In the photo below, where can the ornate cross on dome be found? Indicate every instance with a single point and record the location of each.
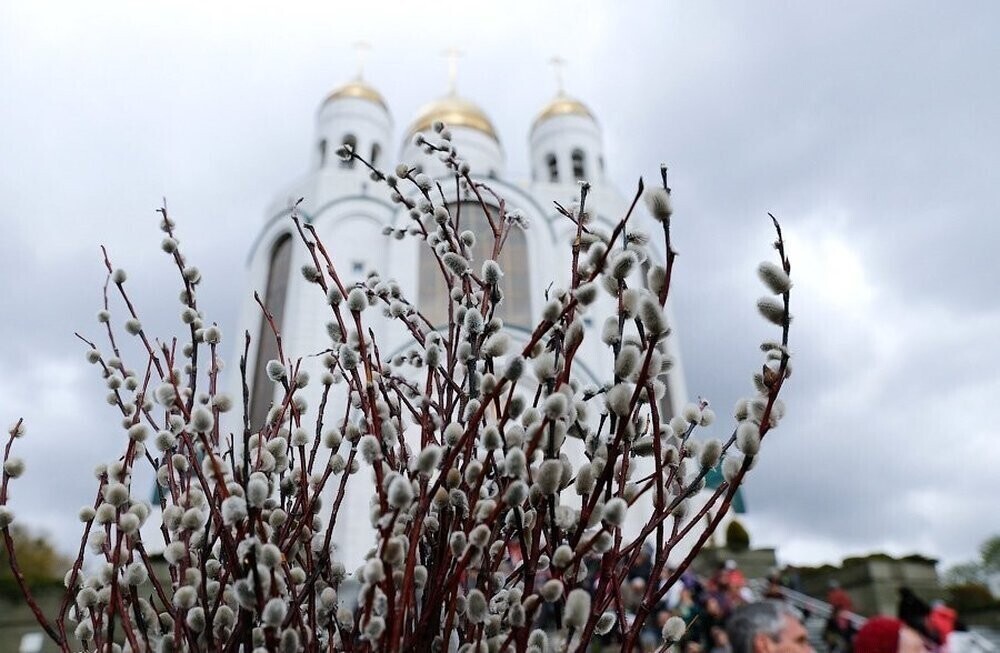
(452, 54)
(361, 49)
(558, 65)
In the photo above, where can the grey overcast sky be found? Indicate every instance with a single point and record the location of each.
(870, 128)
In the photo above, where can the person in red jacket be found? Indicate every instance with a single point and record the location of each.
(838, 598)
(888, 635)
(942, 620)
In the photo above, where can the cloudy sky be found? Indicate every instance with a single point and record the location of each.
(869, 128)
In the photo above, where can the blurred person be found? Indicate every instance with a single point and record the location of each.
(942, 620)
(735, 578)
(915, 613)
(774, 590)
(838, 635)
(838, 598)
(888, 635)
(767, 627)
(719, 641)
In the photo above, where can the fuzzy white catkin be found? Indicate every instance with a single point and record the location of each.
(185, 597)
(300, 437)
(710, 454)
(552, 590)
(577, 609)
(623, 264)
(455, 263)
(428, 459)
(138, 432)
(195, 619)
(585, 479)
(369, 448)
(659, 204)
(270, 556)
(614, 511)
(605, 623)
(275, 370)
(202, 419)
(515, 463)
(555, 406)
(479, 536)
(492, 272)
(274, 612)
(234, 509)
(6, 517)
(673, 629)
(115, 493)
(549, 475)
(627, 361)
(691, 413)
(128, 523)
(257, 490)
(651, 316)
(772, 310)
(14, 467)
(748, 438)
(774, 277)
(586, 293)
(619, 399)
(475, 606)
(400, 493)
(136, 574)
(86, 513)
(731, 466)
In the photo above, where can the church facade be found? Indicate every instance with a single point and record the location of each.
(352, 215)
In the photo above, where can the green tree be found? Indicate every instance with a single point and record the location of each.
(975, 572)
(38, 559)
(737, 537)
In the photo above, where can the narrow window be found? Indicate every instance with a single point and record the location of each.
(322, 153)
(376, 150)
(350, 142)
(267, 345)
(578, 168)
(553, 166)
(515, 307)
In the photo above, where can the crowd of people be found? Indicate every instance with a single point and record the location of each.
(723, 615)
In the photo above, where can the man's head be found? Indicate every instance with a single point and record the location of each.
(767, 627)
(887, 635)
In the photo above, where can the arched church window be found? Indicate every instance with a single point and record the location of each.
(322, 153)
(579, 171)
(553, 166)
(515, 308)
(351, 142)
(275, 295)
(376, 150)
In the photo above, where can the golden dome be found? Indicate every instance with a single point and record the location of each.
(562, 105)
(454, 112)
(357, 89)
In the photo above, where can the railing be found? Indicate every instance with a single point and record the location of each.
(805, 603)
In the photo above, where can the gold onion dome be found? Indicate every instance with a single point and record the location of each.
(357, 89)
(562, 105)
(453, 111)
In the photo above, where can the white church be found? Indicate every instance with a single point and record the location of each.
(350, 213)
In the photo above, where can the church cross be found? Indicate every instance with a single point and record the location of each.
(361, 49)
(452, 54)
(558, 65)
